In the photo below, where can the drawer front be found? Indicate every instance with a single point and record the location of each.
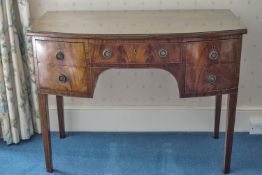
(63, 78)
(213, 52)
(201, 80)
(60, 53)
(154, 53)
(135, 53)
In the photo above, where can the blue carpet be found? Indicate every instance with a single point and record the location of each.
(133, 154)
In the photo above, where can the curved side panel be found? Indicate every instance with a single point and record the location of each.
(178, 72)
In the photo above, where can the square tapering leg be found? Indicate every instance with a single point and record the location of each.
(231, 114)
(217, 116)
(60, 111)
(44, 116)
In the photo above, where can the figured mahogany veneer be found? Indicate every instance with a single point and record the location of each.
(76, 79)
(197, 53)
(197, 79)
(73, 52)
(84, 58)
(201, 49)
(135, 52)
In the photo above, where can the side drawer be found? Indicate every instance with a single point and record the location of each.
(201, 80)
(62, 53)
(63, 78)
(213, 52)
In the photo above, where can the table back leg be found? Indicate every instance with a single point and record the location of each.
(217, 115)
(60, 111)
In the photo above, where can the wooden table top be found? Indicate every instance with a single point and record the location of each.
(137, 22)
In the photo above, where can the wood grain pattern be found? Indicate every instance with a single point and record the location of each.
(135, 52)
(74, 52)
(197, 78)
(146, 56)
(197, 53)
(76, 78)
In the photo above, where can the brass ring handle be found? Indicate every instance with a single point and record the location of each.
(134, 51)
(163, 53)
(211, 78)
(107, 53)
(60, 55)
(213, 55)
(62, 78)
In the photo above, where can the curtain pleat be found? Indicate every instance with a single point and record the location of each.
(19, 113)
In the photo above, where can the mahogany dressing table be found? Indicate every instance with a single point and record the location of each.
(200, 48)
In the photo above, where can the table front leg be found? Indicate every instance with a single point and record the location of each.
(44, 116)
(217, 115)
(231, 114)
(60, 112)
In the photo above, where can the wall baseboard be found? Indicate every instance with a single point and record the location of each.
(147, 118)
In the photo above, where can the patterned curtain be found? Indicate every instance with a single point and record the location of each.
(19, 112)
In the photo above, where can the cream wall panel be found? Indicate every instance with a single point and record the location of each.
(147, 119)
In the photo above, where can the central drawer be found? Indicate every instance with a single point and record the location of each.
(134, 52)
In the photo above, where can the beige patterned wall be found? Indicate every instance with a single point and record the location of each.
(157, 87)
